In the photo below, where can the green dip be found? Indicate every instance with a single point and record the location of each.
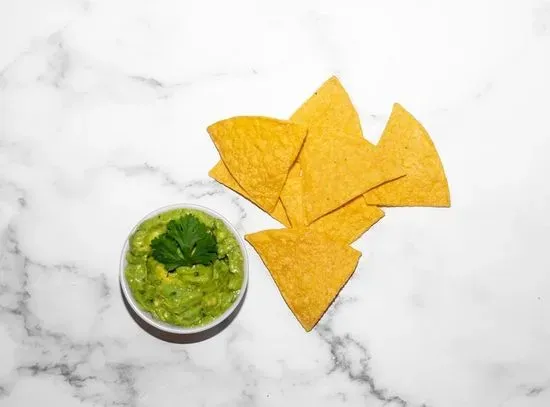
(188, 296)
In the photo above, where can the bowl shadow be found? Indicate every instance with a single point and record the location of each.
(184, 338)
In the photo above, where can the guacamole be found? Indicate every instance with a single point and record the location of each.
(186, 296)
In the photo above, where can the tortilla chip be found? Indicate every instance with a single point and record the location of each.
(221, 174)
(279, 214)
(309, 269)
(291, 197)
(349, 222)
(331, 107)
(345, 224)
(336, 169)
(258, 152)
(425, 184)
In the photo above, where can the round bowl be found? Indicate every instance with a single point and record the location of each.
(176, 329)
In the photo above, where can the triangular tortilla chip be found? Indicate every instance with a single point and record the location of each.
(425, 184)
(291, 197)
(309, 269)
(338, 168)
(345, 224)
(221, 174)
(258, 152)
(331, 107)
(349, 222)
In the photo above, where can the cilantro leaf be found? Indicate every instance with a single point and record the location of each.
(167, 252)
(186, 242)
(205, 250)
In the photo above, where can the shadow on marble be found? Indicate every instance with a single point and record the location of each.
(184, 338)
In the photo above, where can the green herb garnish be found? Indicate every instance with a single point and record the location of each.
(186, 242)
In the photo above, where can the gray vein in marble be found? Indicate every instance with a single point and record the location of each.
(486, 89)
(169, 88)
(235, 200)
(206, 187)
(339, 347)
(535, 391)
(212, 187)
(21, 309)
(126, 378)
(101, 280)
(150, 81)
(61, 61)
(248, 399)
(156, 83)
(342, 396)
(118, 377)
(58, 63)
(249, 392)
(72, 354)
(57, 369)
(20, 267)
(20, 192)
(164, 90)
(7, 67)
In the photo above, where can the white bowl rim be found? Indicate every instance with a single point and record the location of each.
(176, 329)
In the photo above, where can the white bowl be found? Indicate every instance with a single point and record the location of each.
(176, 329)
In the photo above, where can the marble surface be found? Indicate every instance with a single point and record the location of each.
(103, 109)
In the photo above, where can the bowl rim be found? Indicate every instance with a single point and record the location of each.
(164, 326)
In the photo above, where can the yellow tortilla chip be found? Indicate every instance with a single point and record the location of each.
(279, 214)
(331, 107)
(258, 152)
(221, 174)
(291, 197)
(345, 224)
(309, 268)
(425, 184)
(349, 222)
(336, 169)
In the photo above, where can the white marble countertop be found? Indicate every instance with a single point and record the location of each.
(103, 109)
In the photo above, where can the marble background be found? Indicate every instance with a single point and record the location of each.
(103, 109)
